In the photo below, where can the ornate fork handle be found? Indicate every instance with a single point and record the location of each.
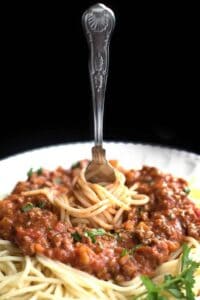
(98, 22)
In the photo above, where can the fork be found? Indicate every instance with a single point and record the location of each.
(98, 23)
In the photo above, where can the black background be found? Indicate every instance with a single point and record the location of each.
(153, 86)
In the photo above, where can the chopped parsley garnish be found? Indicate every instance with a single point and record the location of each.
(27, 207)
(130, 251)
(76, 236)
(93, 233)
(179, 286)
(135, 248)
(124, 252)
(75, 165)
(187, 190)
(39, 171)
(30, 172)
(41, 204)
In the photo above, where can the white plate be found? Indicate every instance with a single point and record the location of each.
(179, 163)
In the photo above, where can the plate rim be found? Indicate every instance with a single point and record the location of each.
(185, 153)
(181, 164)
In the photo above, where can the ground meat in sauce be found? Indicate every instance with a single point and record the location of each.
(148, 236)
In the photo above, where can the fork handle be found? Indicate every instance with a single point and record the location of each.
(98, 23)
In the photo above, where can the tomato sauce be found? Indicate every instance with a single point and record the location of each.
(147, 237)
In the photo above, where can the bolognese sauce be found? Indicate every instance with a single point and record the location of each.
(147, 237)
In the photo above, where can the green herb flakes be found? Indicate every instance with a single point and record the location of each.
(27, 207)
(75, 165)
(30, 172)
(187, 190)
(76, 236)
(179, 286)
(124, 252)
(39, 171)
(130, 251)
(41, 204)
(93, 233)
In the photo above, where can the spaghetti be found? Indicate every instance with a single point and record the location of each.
(92, 204)
(70, 239)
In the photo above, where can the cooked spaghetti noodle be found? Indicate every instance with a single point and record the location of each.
(104, 237)
(93, 204)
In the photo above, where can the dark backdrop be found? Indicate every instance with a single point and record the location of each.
(153, 87)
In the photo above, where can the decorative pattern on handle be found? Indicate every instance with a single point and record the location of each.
(98, 22)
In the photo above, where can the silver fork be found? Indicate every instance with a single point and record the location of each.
(98, 23)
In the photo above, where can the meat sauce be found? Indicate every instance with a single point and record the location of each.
(147, 237)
